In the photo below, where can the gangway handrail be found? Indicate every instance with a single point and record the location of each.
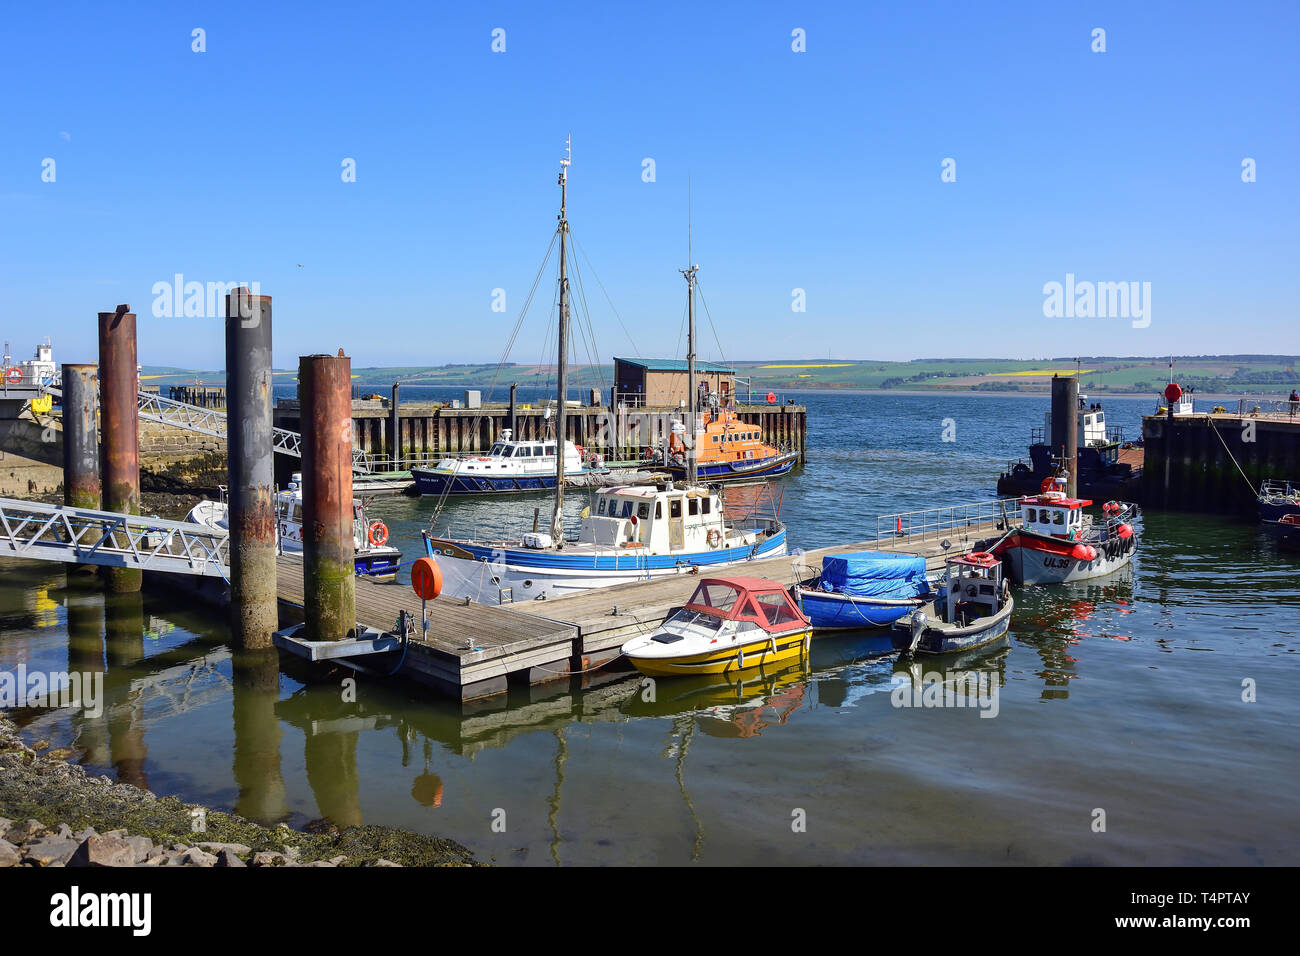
(209, 421)
(949, 518)
(33, 529)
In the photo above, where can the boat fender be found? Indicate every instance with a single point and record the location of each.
(377, 533)
(1125, 531)
(1006, 590)
(715, 537)
(1079, 552)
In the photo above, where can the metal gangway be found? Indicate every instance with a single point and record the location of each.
(30, 529)
(952, 520)
(208, 421)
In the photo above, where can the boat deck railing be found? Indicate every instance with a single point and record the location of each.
(949, 519)
(1277, 488)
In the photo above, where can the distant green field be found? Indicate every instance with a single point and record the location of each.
(1251, 374)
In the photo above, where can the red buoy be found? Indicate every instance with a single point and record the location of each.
(1124, 531)
(1080, 552)
(1173, 392)
(771, 398)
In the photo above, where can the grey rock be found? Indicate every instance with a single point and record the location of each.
(157, 853)
(291, 853)
(64, 831)
(382, 862)
(196, 857)
(50, 851)
(237, 848)
(85, 834)
(337, 860)
(25, 832)
(4, 826)
(103, 851)
(120, 834)
(141, 846)
(269, 858)
(229, 858)
(321, 863)
(9, 855)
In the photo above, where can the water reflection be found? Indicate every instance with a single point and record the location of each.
(124, 640)
(255, 691)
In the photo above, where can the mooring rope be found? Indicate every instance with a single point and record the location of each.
(1230, 455)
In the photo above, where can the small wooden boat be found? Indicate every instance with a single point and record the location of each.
(730, 624)
(973, 608)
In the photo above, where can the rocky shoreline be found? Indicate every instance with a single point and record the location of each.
(52, 813)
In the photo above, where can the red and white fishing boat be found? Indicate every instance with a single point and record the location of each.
(1057, 542)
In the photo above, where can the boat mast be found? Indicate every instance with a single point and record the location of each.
(557, 516)
(692, 473)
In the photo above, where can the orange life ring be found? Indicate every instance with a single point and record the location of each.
(980, 556)
(377, 533)
(714, 537)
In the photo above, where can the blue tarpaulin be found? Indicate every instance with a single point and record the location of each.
(874, 574)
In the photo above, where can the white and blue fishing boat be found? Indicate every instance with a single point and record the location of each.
(510, 467)
(626, 534)
(863, 589)
(972, 609)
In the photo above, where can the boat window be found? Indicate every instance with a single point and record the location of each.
(524, 452)
(659, 511)
(600, 507)
(627, 509)
(550, 450)
(694, 506)
(720, 596)
(1031, 515)
(1058, 518)
(675, 508)
(643, 510)
(715, 439)
(775, 608)
(706, 504)
(508, 452)
(497, 449)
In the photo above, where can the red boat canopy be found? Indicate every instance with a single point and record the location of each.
(764, 602)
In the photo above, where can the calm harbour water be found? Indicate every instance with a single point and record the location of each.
(1124, 695)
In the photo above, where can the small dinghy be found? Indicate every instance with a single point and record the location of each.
(973, 608)
(729, 625)
(863, 589)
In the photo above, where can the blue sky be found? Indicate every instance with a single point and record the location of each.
(817, 170)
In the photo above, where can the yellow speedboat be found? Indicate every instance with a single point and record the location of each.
(730, 624)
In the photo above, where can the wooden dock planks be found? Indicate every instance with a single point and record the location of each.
(471, 648)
